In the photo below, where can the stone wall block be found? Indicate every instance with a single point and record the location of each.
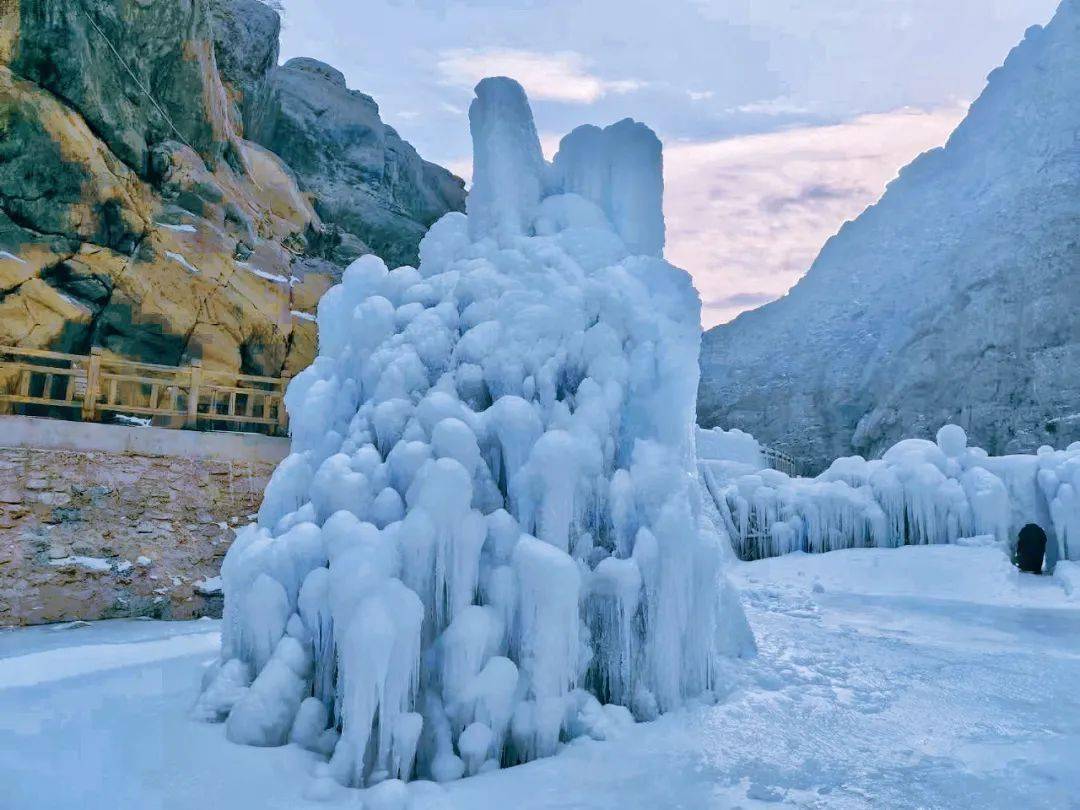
(94, 535)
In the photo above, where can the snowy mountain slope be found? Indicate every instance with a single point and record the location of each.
(952, 299)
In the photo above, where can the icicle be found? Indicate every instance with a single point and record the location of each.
(919, 492)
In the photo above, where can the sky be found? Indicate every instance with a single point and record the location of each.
(781, 119)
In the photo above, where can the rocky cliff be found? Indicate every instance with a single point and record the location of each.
(952, 299)
(370, 187)
(137, 212)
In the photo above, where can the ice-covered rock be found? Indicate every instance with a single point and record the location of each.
(490, 523)
(508, 165)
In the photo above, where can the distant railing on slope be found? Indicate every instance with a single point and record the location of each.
(750, 538)
(96, 387)
(781, 461)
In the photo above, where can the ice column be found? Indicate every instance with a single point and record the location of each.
(621, 169)
(508, 164)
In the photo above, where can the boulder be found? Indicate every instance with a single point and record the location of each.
(57, 178)
(246, 34)
(138, 72)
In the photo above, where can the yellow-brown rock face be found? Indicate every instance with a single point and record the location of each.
(188, 254)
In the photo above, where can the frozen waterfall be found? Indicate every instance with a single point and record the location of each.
(489, 537)
(919, 492)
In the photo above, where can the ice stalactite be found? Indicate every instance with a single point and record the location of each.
(490, 524)
(918, 492)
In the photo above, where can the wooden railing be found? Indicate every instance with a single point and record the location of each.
(95, 387)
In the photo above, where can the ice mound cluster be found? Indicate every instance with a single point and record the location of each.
(489, 536)
(919, 492)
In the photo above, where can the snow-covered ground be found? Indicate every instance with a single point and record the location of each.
(914, 677)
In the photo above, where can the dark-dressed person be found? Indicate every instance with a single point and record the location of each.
(1030, 549)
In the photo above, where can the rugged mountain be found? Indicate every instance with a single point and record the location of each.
(954, 298)
(369, 184)
(246, 45)
(136, 214)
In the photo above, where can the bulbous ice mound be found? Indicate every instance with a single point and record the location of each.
(490, 524)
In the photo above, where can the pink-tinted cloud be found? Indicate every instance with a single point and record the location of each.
(746, 216)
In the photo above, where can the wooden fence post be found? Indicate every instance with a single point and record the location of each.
(193, 395)
(93, 378)
(282, 415)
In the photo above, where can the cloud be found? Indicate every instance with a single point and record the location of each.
(558, 76)
(747, 215)
(741, 300)
(781, 105)
(812, 195)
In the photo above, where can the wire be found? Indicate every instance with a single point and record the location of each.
(138, 83)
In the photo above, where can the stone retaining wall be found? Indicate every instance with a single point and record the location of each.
(101, 521)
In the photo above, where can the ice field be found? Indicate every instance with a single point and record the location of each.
(925, 676)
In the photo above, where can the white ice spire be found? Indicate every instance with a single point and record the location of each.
(508, 164)
(621, 169)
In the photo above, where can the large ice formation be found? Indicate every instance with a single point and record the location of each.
(918, 492)
(489, 536)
